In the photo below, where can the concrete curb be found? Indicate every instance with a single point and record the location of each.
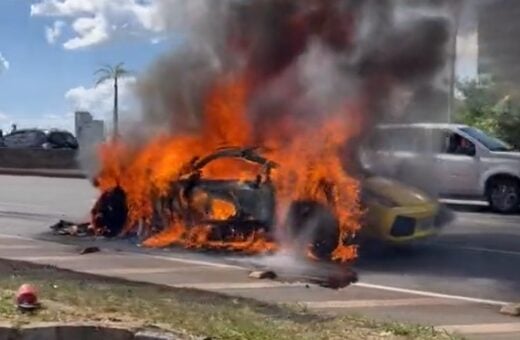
(85, 331)
(59, 173)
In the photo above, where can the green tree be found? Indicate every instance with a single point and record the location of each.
(113, 73)
(489, 108)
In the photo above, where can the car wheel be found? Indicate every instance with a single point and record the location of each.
(110, 212)
(504, 195)
(312, 224)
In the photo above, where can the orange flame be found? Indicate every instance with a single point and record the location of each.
(169, 236)
(310, 168)
(222, 210)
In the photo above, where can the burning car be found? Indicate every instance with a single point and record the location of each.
(241, 213)
(230, 213)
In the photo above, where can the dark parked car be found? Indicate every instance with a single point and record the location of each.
(36, 138)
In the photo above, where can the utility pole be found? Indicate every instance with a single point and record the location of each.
(457, 7)
(116, 109)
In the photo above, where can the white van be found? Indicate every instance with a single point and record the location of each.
(449, 160)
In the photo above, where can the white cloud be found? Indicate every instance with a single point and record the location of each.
(4, 64)
(63, 7)
(98, 100)
(52, 33)
(91, 31)
(97, 21)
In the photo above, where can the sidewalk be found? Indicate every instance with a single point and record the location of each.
(474, 320)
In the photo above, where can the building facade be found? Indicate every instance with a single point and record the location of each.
(89, 131)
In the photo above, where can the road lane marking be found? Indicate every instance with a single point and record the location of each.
(478, 249)
(30, 207)
(489, 328)
(237, 285)
(196, 262)
(480, 218)
(127, 253)
(24, 238)
(57, 258)
(21, 205)
(18, 237)
(431, 294)
(138, 271)
(464, 202)
(482, 223)
(19, 247)
(380, 303)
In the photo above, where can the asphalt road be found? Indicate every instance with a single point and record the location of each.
(477, 255)
(475, 258)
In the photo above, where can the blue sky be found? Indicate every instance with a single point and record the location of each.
(50, 48)
(40, 73)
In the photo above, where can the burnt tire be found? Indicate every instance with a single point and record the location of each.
(111, 212)
(311, 223)
(504, 195)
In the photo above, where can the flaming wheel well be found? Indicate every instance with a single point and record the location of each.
(110, 213)
(313, 224)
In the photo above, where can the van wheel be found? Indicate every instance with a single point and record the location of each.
(504, 195)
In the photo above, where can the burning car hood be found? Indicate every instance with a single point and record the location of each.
(399, 193)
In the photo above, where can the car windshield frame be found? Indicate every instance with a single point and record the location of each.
(490, 142)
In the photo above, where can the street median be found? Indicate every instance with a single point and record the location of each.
(40, 162)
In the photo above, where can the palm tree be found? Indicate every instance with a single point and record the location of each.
(109, 72)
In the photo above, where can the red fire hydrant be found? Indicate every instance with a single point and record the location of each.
(27, 297)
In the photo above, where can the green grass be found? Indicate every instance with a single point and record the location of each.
(69, 296)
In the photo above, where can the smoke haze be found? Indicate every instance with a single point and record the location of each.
(302, 58)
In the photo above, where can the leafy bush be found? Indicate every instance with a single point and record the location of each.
(484, 105)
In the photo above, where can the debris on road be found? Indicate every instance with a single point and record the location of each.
(511, 309)
(73, 229)
(261, 275)
(27, 298)
(334, 280)
(89, 250)
(324, 274)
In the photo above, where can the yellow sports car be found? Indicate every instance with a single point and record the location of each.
(398, 214)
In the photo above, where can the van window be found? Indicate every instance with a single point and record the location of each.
(458, 145)
(409, 139)
(492, 143)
